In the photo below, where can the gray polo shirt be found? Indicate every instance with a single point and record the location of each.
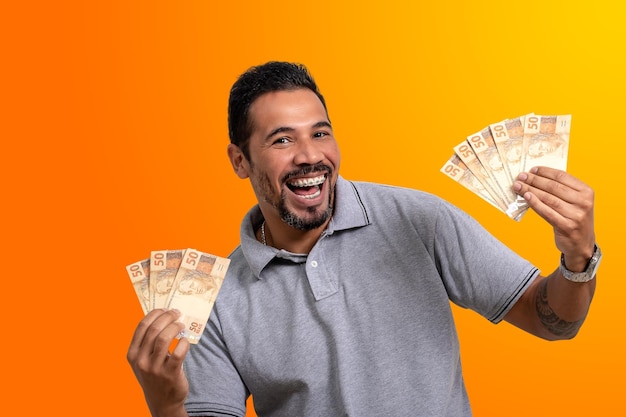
(362, 325)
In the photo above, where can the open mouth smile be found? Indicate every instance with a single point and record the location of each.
(307, 188)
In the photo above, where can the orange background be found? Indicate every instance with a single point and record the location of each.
(113, 129)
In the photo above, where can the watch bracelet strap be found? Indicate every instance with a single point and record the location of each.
(567, 274)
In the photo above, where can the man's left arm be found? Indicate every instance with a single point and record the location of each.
(554, 307)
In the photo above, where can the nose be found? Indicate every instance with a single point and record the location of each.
(308, 152)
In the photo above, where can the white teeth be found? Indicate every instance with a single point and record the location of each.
(308, 182)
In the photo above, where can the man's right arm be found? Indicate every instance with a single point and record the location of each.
(158, 369)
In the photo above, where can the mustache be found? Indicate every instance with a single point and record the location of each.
(308, 169)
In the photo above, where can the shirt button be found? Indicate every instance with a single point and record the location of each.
(314, 264)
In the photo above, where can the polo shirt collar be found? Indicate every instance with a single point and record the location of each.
(350, 212)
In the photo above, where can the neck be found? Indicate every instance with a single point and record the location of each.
(282, 236)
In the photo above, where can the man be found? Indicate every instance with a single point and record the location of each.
(337, 301)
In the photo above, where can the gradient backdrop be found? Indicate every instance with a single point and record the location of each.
(114, 135)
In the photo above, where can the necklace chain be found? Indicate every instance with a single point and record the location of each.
(263, 234)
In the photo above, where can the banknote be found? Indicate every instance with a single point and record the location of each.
(458, 171)
(493, 157)
(486, 151)
(508, 136)
(195, 288)
(185, 279)
(139, 273)
(546, 141)
(163, 268)
(469, 158)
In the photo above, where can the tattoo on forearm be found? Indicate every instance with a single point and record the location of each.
(550, 319)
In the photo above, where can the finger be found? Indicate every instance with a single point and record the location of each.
(554, 188)
(549, 204)
(164, 339)
(177, 355)
(148, 330)
(554, 182)
(159, 324)
(142, 328)
(548, 210)
(560, 176)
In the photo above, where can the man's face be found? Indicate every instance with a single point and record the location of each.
(165, 280)
(193, 286)
(294, 157)
(543, 147)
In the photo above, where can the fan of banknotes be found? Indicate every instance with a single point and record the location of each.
(488, 161)
(185, 279)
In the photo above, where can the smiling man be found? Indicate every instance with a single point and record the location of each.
(337, 300)
(292, 165)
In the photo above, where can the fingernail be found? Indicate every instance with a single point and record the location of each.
(517, 186)
(522, 176)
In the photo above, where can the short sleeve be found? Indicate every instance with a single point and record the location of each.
(479, 271)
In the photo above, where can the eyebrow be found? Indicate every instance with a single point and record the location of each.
(279, 130)
(323, 123)
(283, 129)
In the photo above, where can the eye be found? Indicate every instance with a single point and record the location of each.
(320, 134)
(281, 141)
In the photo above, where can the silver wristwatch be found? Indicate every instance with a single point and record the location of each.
(588, 273)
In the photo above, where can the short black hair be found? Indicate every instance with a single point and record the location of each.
(256, 81)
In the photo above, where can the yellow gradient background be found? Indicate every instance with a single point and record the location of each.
(113, 129)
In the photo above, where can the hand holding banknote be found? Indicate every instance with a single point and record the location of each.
(157, 366)
(489, 161)
(566, 203)
(176, 290)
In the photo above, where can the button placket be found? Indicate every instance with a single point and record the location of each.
(320, 279)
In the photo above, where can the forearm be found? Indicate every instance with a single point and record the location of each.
(553, 308)
(561, 306)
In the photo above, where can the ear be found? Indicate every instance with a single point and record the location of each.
(238, 161)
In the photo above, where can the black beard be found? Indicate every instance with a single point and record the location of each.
(306, 224)
(318, 219)
(288, 217)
